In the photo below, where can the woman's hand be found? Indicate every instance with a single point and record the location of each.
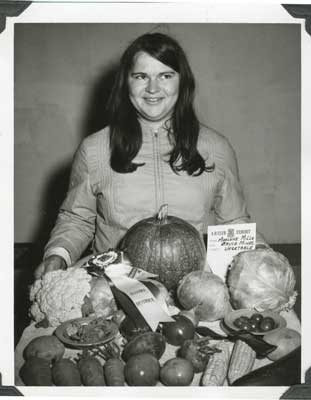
(51, 263)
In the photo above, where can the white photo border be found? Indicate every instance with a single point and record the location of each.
(102, 12)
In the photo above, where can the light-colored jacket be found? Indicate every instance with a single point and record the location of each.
(102, 204)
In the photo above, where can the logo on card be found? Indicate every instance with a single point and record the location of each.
(230, 233)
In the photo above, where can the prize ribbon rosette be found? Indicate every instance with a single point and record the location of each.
(134, 289)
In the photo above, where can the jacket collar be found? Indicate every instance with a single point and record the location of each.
(149, 128)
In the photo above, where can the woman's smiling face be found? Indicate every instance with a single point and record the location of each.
(153, 88)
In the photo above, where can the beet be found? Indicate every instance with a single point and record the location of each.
(150, 342)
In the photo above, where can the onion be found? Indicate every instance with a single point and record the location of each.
(206, 294)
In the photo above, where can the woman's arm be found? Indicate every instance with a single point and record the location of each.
(230, 206)
(75, 225)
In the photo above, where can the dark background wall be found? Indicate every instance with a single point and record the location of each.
(248, 88)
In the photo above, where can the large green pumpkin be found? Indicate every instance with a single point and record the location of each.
(165, 245)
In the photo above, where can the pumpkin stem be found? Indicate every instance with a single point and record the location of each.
(162, 214)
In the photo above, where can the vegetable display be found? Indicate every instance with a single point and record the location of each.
(261, 279)
(114, 347)
(206, 294)
(165, 245)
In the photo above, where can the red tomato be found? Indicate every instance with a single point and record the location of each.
(253, 326)
(142, 370)
(238, 322)
(257, 317)
(177, 372)
(267, 324)
(177, 332)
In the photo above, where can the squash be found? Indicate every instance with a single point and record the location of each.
(165, 245)
(286, 341)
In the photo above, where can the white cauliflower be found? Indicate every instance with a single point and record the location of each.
(59, 295)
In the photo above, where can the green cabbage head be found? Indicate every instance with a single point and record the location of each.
(261, 279)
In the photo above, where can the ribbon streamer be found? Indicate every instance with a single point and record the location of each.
(139, 300)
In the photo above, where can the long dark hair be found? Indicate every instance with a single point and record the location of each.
(125, 130)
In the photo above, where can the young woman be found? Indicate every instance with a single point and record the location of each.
(154, 151)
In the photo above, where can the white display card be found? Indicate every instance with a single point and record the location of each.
(225, 241)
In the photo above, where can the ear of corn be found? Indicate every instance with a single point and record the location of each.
(216, 369)
(241, 361)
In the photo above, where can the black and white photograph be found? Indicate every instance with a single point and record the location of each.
(157, 185)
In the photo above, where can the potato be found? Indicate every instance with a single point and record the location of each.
(65, 372)
(91, 371)
(47, 347)
(36, 372)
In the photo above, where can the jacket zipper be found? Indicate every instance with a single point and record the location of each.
(159, 192)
